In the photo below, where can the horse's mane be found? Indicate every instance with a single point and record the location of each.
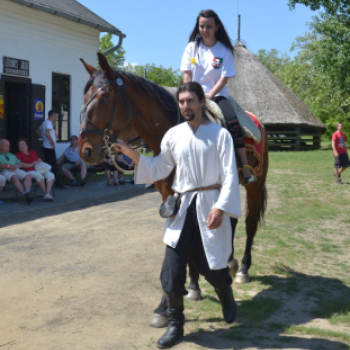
(163, 97)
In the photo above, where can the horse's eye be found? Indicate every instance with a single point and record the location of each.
(104, 99)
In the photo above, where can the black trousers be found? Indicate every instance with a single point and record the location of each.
(232, 122)
(173, 275)
(50, 158)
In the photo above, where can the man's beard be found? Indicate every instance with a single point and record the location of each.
(189, 117)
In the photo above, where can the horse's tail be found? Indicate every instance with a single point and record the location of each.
(263, 206)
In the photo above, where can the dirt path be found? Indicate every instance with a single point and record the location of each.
(86, 276)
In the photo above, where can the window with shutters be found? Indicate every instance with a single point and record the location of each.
(61, 105)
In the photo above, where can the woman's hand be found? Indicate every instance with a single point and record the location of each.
(209, 96)
(215, 218)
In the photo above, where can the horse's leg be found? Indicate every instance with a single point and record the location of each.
(256, 198)
(232, 262)
(194, 292)
(161, 314)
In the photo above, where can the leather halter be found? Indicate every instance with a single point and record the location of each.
(119, 85)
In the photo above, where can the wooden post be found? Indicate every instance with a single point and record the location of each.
(297, 146)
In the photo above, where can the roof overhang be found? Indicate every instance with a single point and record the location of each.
(71, 17)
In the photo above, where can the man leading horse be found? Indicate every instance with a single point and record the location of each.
(207, 181)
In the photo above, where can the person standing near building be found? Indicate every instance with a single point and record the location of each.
(47, 132)
(207, 181)
(341, 158)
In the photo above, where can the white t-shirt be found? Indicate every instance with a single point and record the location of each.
(47, 125)
(208, 64)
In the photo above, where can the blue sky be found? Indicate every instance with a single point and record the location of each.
(158, 30)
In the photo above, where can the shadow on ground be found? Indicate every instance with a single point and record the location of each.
(297, 301)
(28, 212)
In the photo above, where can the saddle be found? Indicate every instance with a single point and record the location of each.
(252, 130)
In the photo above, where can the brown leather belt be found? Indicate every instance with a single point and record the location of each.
(206, 188)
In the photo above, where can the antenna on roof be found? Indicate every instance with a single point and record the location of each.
(239, 28)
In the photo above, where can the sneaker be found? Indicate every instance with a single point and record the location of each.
(75, 183)
(61, 187)
(82, 182)
(48, 198)
(132, 181)
(339, 181)
(29, 197)
(121, 182)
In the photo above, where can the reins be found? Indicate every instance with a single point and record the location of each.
(107, 133)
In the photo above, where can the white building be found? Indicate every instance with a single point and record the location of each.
(42, 42)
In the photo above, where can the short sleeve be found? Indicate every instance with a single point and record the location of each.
(19, 156)
(186, 59)
(228, 65)
(34, 155)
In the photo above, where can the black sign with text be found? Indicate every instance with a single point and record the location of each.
(15, 66)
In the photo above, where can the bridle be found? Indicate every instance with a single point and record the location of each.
(107, 133)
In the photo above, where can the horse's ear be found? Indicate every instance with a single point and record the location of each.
(90, 69)
(108, 70)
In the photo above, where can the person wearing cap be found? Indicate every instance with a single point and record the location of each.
(72, 160)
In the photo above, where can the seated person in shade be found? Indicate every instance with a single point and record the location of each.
(29, 159)
(124, 162)
(72, 160)
(10, 169)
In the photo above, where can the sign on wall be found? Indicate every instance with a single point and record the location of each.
(16, 66)
(38, 109)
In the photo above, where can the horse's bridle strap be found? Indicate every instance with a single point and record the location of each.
(119, 85)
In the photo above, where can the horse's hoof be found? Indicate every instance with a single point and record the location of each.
(160, 320)
(233, 267)
(242, 278)
(193, 295)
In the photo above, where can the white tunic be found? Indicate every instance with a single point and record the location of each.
(208, 64)
(203, 158)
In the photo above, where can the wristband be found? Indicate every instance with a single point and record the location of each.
(8, 166)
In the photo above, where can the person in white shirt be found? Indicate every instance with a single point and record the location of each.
(47, 132)
(208, 60)
(207, 181)
(72, 160)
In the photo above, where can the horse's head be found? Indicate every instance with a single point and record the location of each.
(101, 106)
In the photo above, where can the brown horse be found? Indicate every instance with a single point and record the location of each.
(124, 106)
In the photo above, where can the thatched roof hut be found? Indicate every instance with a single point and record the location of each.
(289, 122)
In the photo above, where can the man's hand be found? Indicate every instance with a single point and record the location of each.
(215, 218)
(336, 155)
(209, 96)
(13, 167)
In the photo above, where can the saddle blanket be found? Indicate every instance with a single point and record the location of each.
(256, 147)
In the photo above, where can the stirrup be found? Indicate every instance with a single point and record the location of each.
(253, 174)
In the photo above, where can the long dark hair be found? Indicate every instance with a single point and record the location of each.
(221, 33)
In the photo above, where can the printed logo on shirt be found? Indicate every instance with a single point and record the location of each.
(341, 142)
(217, 62)
(193, 60)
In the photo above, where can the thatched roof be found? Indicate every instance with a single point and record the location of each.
(258, 91)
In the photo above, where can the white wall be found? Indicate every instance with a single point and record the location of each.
(50, 44)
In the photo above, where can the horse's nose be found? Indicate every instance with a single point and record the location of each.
(87, 152)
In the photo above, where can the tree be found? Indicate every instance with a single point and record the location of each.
(160, 75)
(115, 58)
(332, 7)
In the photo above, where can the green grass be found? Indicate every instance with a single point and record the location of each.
(301, 254)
